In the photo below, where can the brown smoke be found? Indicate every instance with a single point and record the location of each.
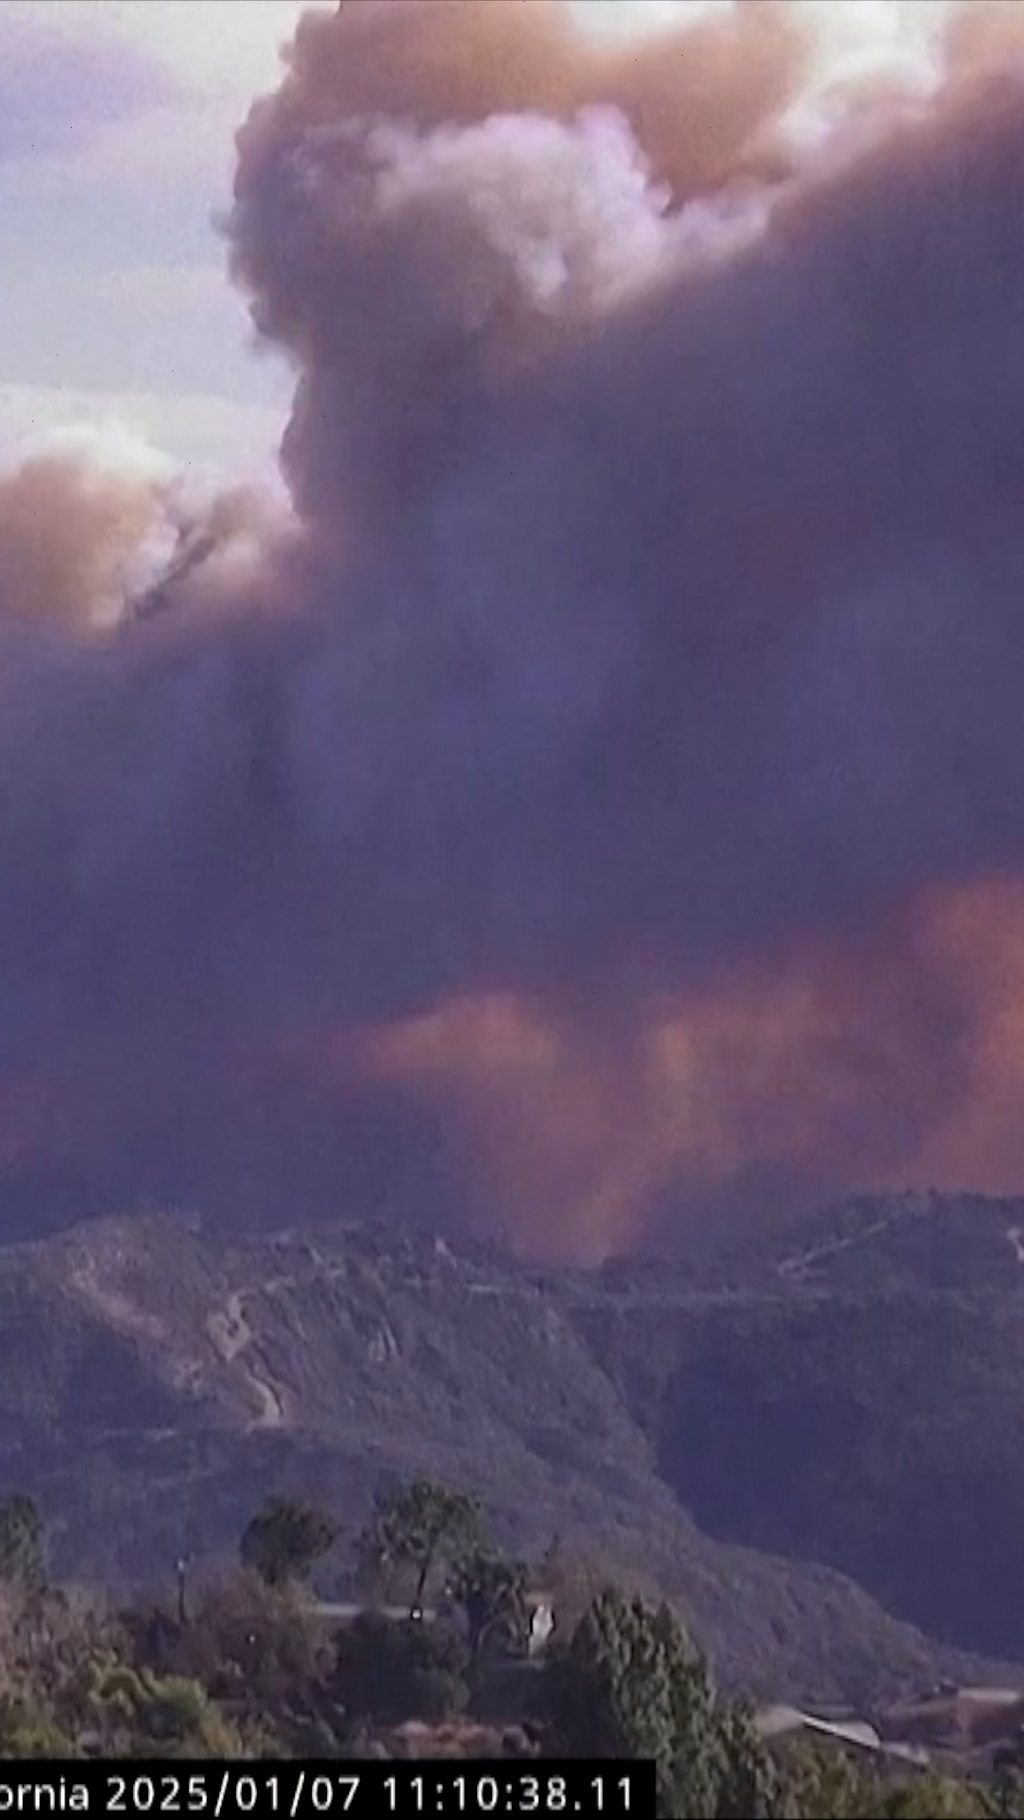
(69, 534)
(601, 802)
(697, 97)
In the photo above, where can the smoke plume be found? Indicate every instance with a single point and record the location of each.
(601, 800)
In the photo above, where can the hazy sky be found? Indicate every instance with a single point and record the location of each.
(116, 152)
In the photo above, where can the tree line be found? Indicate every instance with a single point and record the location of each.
(250, 1664)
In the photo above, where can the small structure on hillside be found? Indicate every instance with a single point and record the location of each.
(851, 1734)
(541, 1622)
(540, 1616)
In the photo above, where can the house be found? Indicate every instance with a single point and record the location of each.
(539, 1611)
(541, 1622)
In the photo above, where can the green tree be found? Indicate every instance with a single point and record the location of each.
(247, 1640)
(22, 1542)
(821, 1782)
(264, 1652)
(389, 1671)
(422, 1526)
(491, 1593)
(749, 1780)
(284, 1539)
(819, 1779)
(137, 1713)
(25, 1733)
(631, 1684)
(932, 1798)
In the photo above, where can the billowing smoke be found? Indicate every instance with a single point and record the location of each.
(76, 516)
(595, 804)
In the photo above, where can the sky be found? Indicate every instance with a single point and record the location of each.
(116, 159)
(117, 122)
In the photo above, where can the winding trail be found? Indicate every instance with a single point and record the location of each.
(227, 1328)
(232, 1337)
(235, 1343)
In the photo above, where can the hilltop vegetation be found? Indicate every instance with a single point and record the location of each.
(868, 1380)
(251, 1666)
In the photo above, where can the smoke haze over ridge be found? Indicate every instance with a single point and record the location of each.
(604, 792)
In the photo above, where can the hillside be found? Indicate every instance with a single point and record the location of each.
(866, 1376)
(156, 1382)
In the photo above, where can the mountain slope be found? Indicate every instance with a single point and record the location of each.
(156, 1383)
(857, 1400)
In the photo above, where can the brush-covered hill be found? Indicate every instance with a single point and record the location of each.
(157, 1382)
(852, 1393)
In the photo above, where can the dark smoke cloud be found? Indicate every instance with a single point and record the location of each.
(576, 796)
